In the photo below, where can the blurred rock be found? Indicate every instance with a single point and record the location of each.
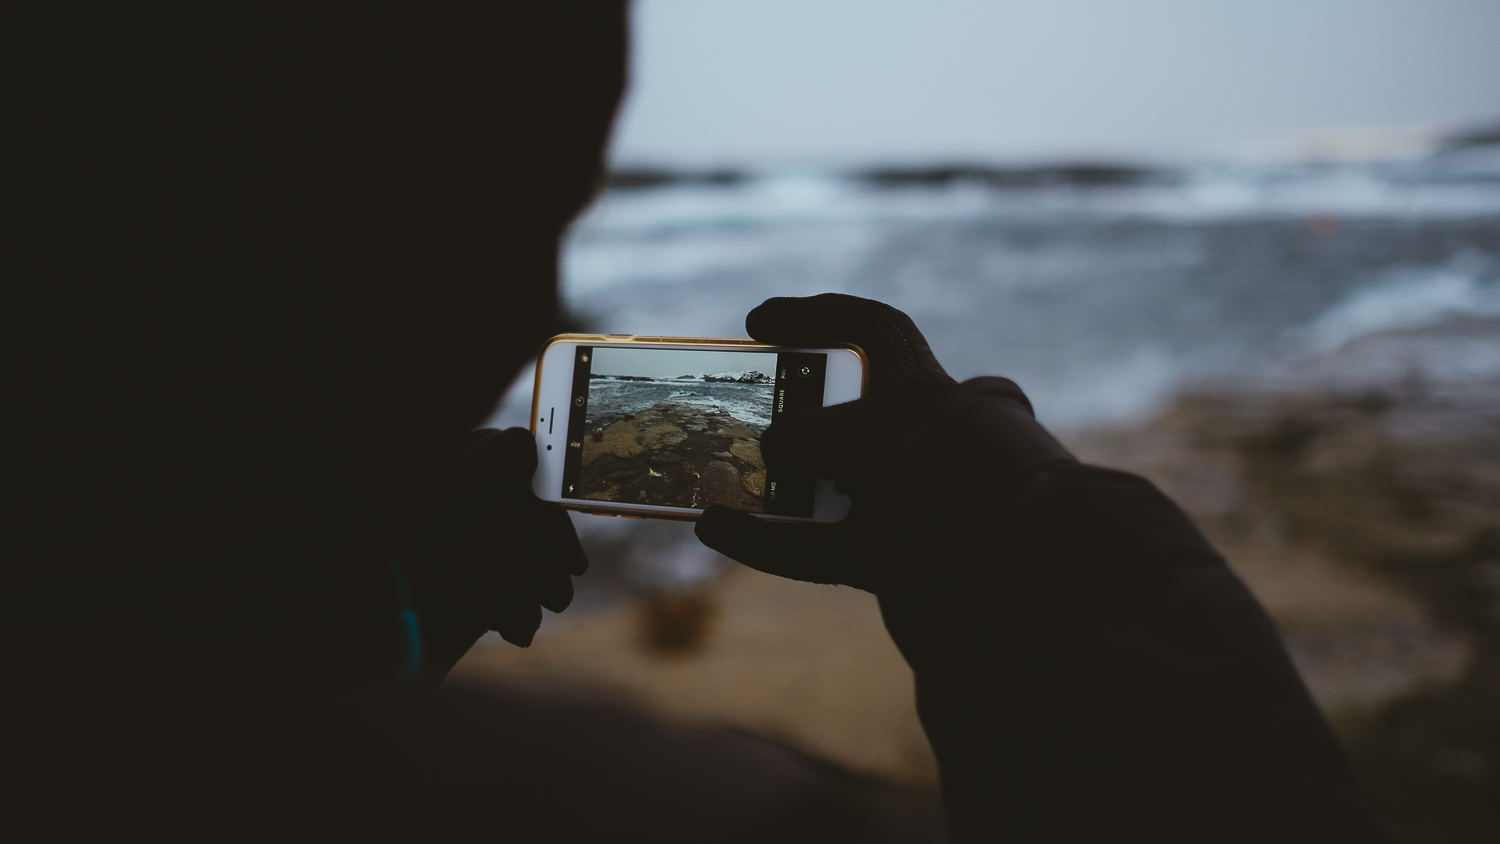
(675, 623)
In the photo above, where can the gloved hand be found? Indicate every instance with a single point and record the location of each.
(919, 451)
(493, 554)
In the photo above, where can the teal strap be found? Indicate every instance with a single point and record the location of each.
(410, 664)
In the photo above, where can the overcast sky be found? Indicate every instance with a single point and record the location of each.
(743, 81)
(671, 363)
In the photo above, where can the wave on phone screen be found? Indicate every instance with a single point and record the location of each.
(683, 441)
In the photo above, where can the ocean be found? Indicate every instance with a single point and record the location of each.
(1105, 292)
(610, 399)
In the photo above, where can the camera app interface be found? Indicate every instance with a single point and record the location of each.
(681, 428)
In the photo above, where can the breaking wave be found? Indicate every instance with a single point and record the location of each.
(1468, 285)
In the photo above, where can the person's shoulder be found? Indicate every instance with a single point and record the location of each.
(264, 754)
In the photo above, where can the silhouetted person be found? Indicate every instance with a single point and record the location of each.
(272, 268)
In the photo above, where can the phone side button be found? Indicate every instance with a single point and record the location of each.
(627, 516)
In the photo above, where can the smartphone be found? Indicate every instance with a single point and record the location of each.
(664, 427)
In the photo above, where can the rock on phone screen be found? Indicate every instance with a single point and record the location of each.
(682, 427)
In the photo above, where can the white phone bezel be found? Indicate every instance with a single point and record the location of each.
(844, 380)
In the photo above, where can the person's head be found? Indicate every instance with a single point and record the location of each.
(276, 254)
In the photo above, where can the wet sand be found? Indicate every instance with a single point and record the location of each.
(809, 666)
(1368, 523)
(1332, 508)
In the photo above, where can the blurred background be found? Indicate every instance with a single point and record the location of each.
(1249, 250)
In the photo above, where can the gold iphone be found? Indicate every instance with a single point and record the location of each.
(664, 427)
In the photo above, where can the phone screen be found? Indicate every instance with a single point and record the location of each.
(682, 428)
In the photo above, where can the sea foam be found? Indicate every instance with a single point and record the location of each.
(1468, 285)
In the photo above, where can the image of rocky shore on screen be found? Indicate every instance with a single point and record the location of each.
(677, 428)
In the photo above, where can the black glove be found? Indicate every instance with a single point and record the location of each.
(919, 451)
(493, 554)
